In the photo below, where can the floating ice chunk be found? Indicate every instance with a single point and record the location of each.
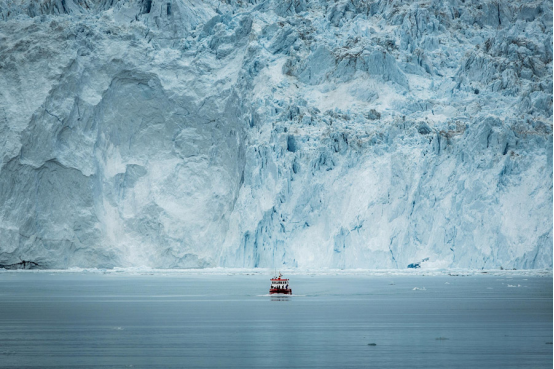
(419, 289)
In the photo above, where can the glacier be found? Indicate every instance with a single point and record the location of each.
(277, 133)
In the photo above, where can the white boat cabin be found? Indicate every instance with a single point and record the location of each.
(279, 284)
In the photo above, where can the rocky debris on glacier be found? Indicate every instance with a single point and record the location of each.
(23, 264)
(341, 134)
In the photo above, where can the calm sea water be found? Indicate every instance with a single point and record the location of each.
(80, 320)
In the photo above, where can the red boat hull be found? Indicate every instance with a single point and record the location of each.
(280, 291)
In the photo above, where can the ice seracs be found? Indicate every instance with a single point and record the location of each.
(304, 134)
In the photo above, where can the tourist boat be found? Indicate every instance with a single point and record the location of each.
(280, 285)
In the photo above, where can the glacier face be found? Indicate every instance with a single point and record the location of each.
(341, 134)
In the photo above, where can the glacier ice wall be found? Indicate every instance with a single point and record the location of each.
(341, 134)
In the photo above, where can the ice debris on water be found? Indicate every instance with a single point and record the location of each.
(419, 289)
(324, 134)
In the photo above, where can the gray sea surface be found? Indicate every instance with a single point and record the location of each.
(123, 320)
